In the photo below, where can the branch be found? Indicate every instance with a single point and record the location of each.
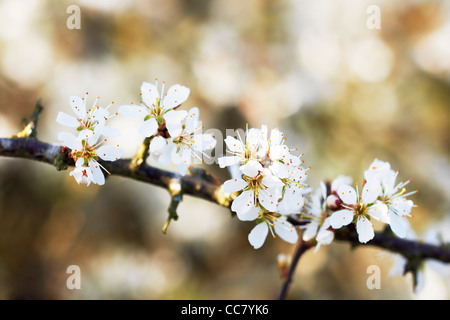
(302, 247)
(198, 184)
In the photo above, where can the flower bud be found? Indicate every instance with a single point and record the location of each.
(283, 263)
(333, 202)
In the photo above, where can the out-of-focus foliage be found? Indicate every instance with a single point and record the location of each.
(344, 94)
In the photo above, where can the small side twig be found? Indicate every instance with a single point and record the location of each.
(141, 154)
(30, 127)
(176, 194)
(302, 247)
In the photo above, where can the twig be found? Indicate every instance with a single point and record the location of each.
(302, 247)
(30, 127)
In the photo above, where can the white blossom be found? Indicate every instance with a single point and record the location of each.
(393, 195)
(86, 150)
(359, 209)
(186, 142)
(277, 224)
(315, 213)
(87, 119)
(157, 108)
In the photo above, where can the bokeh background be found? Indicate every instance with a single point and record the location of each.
(343, 93)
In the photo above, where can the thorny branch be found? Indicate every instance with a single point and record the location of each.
(201, 185)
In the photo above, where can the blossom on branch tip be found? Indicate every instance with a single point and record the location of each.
(271, 182)
(86, 150)
(186, 143)
(359, 209)
(263, 189)
(87, 119)
(157, 108)
(242, 150)
(276, 223)
(393, 195)
(317, 218)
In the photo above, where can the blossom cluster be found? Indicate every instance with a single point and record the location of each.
(270, 182)
(338, 205)
(88, 146)
(175, 135)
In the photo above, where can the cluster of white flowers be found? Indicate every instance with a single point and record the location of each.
(89, 144)
(176, 135)
(380, 199)
(271, 183)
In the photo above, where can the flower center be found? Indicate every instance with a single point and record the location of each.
(88, 153)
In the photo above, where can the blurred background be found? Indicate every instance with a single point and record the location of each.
(342, 92)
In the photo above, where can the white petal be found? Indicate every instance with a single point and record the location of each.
(253, 138)
(77, 173)
(228, 161)
(278, 152)
(365, 229)
(192, 120)
(243, 203)
(341, 179)
(310, 230)
(133, 111)
(379, 167)
(174, 121)
(79, 163)
(97, 174)
(341, 218)
(398, 266)
(182, 168)
(325, 236)
(234, 185)
(279, 170)
(264, 143)
(250, 215)
(269, 199)
(158, 145)
(276, 136)
(70, 141)
(258, 235)
(110, 153)
(93, 136)
(286, 231)
(176, 95)
(175, 115)
(78, 106)
(204, 142)
(67, 120)
(347, 194)
(399, 225)
(169, 151)
(251, 168)
(272, 182)
(370, 192)
(149, 93)
(234, 145)
(388, 181)
(292, 201)
(402, 207)
(148, 128)
(379, 212)
(184, 156)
